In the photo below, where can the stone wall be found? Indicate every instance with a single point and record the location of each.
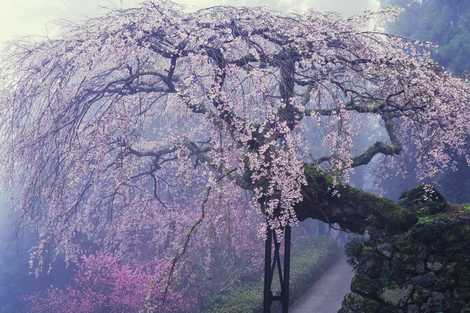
(423, 269)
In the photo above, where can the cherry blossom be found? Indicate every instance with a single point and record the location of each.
(137, 128)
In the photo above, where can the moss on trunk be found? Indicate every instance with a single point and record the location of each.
(354, 210)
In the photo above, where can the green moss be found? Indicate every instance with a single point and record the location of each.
(425, 200)
(383, 213)
(466, 208)
(429, 219)
(318, 180)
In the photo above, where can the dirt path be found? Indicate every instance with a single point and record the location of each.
(327, 293)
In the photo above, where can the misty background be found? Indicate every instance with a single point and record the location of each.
(37, 17)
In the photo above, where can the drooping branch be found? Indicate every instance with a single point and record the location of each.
(394, 148)
(379, 147)
(244, 78)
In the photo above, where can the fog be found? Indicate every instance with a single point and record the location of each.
(38, 18)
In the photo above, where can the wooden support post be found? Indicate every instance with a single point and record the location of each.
(273, 264)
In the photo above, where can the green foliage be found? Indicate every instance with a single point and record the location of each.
(310, 258)
(246, 298)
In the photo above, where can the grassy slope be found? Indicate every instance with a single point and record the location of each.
(310, 258)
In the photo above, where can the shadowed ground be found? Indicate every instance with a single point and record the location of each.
(328, 292)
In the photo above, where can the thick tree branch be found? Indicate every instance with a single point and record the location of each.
(378, 147)
(353, 210)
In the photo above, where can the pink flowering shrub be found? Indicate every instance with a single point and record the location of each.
(104, 285)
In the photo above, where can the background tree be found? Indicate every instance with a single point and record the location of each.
(444, 23)
(102, 284)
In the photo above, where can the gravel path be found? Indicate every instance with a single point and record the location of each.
(326, 295)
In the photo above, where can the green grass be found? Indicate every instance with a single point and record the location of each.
(309, 259)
